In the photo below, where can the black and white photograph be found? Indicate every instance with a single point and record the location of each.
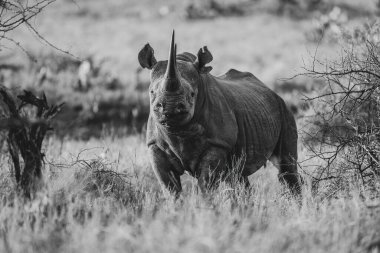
(190, 126)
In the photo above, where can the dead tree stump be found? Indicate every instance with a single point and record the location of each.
(25, 135)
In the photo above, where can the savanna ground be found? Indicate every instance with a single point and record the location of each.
(100, 193)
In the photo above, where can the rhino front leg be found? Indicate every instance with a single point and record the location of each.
(212, 167)
(168, 177)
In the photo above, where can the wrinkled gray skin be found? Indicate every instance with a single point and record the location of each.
(202, 122)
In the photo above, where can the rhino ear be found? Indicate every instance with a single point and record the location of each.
(204, 57)
(146, 57)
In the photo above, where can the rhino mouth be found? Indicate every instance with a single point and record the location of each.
(173, 119)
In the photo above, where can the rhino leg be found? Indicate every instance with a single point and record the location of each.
(211, 168)
(286, 155)
(168, 177)
(288, 174)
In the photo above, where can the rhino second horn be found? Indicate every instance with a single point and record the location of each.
(172, 82)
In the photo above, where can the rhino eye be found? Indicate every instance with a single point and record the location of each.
(192, 94)
(151, 91)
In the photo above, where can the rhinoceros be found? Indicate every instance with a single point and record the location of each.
(198, 123)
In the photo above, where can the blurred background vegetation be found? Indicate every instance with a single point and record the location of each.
(103, 86)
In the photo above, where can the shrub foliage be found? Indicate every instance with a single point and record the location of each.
(346, 129)
(25, 134)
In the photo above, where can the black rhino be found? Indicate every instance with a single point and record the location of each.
(198, 122)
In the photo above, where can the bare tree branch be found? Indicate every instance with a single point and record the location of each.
(345, 131)
(16, 13)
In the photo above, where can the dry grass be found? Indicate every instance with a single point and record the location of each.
(82, 211)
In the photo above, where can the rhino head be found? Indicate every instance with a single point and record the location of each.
(174, 84)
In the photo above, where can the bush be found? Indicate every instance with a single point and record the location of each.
(26, 130)
(345, 132)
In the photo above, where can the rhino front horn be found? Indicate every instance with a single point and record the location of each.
(172, 82)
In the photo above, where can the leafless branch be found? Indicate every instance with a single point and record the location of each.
(17, 13)
(346, 127)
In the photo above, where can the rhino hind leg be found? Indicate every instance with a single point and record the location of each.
(285, 156)
(288, 173)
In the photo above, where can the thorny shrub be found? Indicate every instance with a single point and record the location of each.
(345, 130)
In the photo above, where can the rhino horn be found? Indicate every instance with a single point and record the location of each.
(172, 82)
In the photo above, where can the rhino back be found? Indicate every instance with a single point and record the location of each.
(257, 113)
